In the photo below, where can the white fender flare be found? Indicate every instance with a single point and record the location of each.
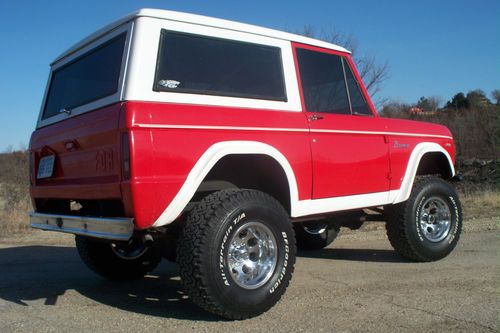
(411, 169)
(206, 162)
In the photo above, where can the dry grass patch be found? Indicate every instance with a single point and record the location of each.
(14, 207)
(14, 221)
(481, 204)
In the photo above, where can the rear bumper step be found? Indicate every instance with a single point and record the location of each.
(98, 227)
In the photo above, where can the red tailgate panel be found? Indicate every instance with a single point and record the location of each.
(87, 149)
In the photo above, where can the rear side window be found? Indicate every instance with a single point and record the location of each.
(323, 84)
(93, 76)
(358, 102)
(204, 65)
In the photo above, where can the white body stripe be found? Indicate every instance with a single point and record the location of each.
(298, 207)
(382, 133)
(229, 128)
(320, 206)
(284, 129)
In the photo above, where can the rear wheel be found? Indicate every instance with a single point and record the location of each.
(236, 253)
(315, 235)
(427, 226)
(116, 261)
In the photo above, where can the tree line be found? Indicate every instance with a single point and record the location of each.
(473, 119)
(473, 100)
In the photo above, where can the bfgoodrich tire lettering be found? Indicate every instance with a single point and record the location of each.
(204, 245)
(427, 226)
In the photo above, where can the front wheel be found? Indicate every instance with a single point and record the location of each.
(427, 226)
(236, 253)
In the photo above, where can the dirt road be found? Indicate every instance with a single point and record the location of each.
(358, 284)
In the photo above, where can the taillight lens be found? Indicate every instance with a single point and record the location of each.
(31, 155)
(125, 156)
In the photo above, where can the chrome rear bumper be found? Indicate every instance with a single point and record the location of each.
(99, 227)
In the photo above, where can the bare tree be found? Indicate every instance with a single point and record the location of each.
(372, 72)
(435, 102)
(496, 95)
(430, 103)
(395, 109)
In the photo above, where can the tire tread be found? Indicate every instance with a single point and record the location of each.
(190, 255)
(396, 215)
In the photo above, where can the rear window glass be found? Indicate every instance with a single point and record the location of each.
(323, 84)
(92, 76)
(205, 65)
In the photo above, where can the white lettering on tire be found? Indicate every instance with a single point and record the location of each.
(455, 208)
(285, 265)
(222, 246)
(417, 219)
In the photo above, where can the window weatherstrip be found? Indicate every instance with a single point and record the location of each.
(346, 85)
(359, 90)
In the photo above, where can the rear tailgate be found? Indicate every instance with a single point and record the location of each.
(87, 152)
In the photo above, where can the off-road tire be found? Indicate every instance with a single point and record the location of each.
(403, 221)
(203, 247)
(314, 240)
(101, 259)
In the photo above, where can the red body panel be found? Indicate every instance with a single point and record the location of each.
(349, 163)
(163, 157)
(346, 163)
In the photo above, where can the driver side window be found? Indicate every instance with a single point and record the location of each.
(323, 83)
(329, 85)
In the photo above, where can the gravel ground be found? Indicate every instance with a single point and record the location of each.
(358, 284)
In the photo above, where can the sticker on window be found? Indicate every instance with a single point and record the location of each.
(172, 84)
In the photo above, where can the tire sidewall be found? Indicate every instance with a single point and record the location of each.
(434, 250)
(230, 293)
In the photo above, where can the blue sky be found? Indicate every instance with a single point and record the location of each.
(433, 47)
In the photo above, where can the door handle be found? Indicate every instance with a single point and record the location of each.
(315, 117)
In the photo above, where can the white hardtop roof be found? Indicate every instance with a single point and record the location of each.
(200, 20)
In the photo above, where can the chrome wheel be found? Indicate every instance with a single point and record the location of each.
(315, 229)
(129, 252)
(435, 219)
(252, 255)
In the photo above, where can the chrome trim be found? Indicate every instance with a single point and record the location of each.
(252, 255)
(435, 219)
(66, 111)
(116, 228)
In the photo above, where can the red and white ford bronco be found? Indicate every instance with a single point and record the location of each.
(224, 146)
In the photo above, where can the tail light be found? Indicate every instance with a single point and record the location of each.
(125, 156)
(31, 155)
(31, 163)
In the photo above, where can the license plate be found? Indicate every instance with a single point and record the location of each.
(46, 167)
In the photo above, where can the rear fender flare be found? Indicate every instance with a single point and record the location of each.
(207, 161)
